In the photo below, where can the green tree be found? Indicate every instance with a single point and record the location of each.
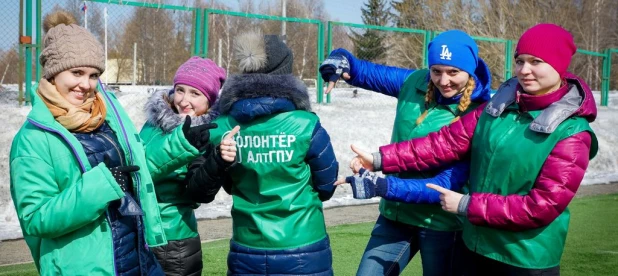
(371, 44)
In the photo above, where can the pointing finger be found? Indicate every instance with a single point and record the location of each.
(437, 188)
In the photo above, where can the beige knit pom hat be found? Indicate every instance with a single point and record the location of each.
(67, 45)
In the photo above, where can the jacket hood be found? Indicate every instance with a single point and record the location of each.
(248, 96)
(159, 112)
(482, 91)
(587, 106)
(578, 101)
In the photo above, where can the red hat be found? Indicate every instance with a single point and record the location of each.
(551, 43)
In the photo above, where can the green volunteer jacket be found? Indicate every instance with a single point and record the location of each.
(61, 201)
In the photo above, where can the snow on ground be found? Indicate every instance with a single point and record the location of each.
(364, 120)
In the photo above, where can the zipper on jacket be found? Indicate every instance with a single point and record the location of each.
(115, 147)
(111, 233)
(126, 139)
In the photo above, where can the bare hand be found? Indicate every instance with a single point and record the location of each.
(341, 181)
(448, 199)
(228, 145)
(331, 84)
(363, 159)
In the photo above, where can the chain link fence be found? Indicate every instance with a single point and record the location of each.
(144, 45)
(9, 52)
(10, 116)
(301, 36)
(494, 54)
(147, 42)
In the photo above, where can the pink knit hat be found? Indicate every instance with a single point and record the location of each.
(203, 74)
(551, 43)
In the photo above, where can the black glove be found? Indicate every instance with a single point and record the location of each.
(205, 175)
(122, 174)
(197, 136)
(335, 65)
(367, 184)
(127, 206)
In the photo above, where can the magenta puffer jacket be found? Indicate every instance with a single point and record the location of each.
(555, 186)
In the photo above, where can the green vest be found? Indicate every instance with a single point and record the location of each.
(166, 152)
(410, 106)
(274, 203)
(507, 160)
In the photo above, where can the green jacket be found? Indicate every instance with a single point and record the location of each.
(285, 165)
(61, 201)
(275, 205)
(167, 154)
(410, 106)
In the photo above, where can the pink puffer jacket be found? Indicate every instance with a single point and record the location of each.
(554, 188)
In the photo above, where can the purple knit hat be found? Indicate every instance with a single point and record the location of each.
(203, 74)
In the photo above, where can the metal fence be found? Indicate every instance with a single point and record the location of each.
(303, 36)
(146, 42)
(11, 69)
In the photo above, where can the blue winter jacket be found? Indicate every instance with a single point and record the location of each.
(388, 80)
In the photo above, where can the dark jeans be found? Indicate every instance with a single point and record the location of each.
(393, 245)
(481, 265)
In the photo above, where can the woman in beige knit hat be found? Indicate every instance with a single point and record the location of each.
(79, 178)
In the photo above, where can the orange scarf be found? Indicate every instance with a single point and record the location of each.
(83, 118)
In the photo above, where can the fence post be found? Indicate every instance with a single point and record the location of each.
(428, 35)
(329, 48)
(508, 59)
(318, 87)
(607, 67)
(20, 80)
(195, 47)
(205, 32)
(39, 38)
(28, 47)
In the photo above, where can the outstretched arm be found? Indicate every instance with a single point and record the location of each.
(450, 143)
(453, 178)
(364, 74)
(368, 184)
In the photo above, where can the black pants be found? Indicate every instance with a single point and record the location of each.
(180, 257)
(482, 266)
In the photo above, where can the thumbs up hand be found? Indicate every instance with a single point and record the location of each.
(228, 145)
(363, 159)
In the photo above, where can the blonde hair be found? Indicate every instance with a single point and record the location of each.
(464, 101)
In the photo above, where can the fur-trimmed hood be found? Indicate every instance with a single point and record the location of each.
(160, 113)
(259, 86)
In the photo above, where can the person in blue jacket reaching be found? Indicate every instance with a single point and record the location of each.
(411, 221)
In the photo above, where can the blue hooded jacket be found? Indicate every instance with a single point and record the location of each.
(388, 80)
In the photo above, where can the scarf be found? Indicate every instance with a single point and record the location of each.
(83, 118)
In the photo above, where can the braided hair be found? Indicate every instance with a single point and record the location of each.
(464, 101)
